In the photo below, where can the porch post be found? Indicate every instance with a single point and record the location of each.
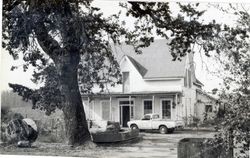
(93, 109)
(89, 108)
(153, 102)
(129, 98)
(110, 106)
(176, 107)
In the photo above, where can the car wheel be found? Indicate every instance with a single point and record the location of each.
(163, 129)
(134, 127)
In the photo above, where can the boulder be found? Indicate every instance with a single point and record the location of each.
(21, 132)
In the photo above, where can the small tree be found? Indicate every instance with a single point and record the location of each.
(232, 45)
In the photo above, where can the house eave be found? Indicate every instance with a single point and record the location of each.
(120, 94)
(197, 84)
(163, 78)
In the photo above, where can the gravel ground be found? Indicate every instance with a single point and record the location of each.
(148, 145)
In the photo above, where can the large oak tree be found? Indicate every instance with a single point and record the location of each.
(61, 39)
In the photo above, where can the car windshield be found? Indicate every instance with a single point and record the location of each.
(156, 116)
(146, 117)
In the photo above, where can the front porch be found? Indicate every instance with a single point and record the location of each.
(123, 107)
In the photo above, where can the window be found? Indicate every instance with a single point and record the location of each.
(126, 102)
(105, 110)
(125, 81)
(208, 108)
(156, 117)
(185, 79)
(146, 117)
(166, 109)
(189, 79)
(147, 106)
(131, 112)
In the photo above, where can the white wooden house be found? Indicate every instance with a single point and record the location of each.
(152, 83)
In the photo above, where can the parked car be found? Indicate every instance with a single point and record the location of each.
(153, 122)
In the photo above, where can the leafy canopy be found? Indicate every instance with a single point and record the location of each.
(48, 33)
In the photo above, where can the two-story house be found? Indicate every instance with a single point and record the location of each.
(152, 83)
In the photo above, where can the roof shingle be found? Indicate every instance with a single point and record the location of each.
(155, 61)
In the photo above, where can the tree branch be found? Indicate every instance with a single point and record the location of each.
(7, 6)
(49, 45)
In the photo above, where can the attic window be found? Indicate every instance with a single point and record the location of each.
(189, 79)
(185, 79)
(125, 81)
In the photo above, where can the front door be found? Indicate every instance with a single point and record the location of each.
(125, 115)
(166, 109)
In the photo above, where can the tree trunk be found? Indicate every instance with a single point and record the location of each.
(77, 132)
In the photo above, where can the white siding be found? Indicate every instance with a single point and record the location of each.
(138, 84)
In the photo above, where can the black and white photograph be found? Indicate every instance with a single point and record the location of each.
(125, 79)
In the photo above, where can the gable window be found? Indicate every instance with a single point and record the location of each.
(105, 109)
(185, 79)
(208, 108)
(147, 106)
(189, 79)
(125, 81)
(166, 109)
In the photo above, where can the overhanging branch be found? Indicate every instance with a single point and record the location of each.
(8, 6)
(49, 45)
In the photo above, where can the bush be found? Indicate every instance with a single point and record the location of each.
(192, 121)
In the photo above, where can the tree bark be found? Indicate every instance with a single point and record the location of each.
(77, 132)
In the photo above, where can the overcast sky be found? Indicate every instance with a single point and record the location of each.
(111, 7)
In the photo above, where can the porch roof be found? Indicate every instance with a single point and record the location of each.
(142, 93)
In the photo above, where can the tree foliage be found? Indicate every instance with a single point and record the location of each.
(42, 32)
(182, 31)
(234, 57)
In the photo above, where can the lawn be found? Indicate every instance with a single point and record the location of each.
(147, 145)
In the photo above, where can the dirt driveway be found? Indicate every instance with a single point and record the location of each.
(149, 145)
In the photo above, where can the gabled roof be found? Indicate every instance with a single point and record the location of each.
(198, 82)
(141, 69)
(155, 61)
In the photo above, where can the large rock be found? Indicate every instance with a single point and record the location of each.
(21, 132)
